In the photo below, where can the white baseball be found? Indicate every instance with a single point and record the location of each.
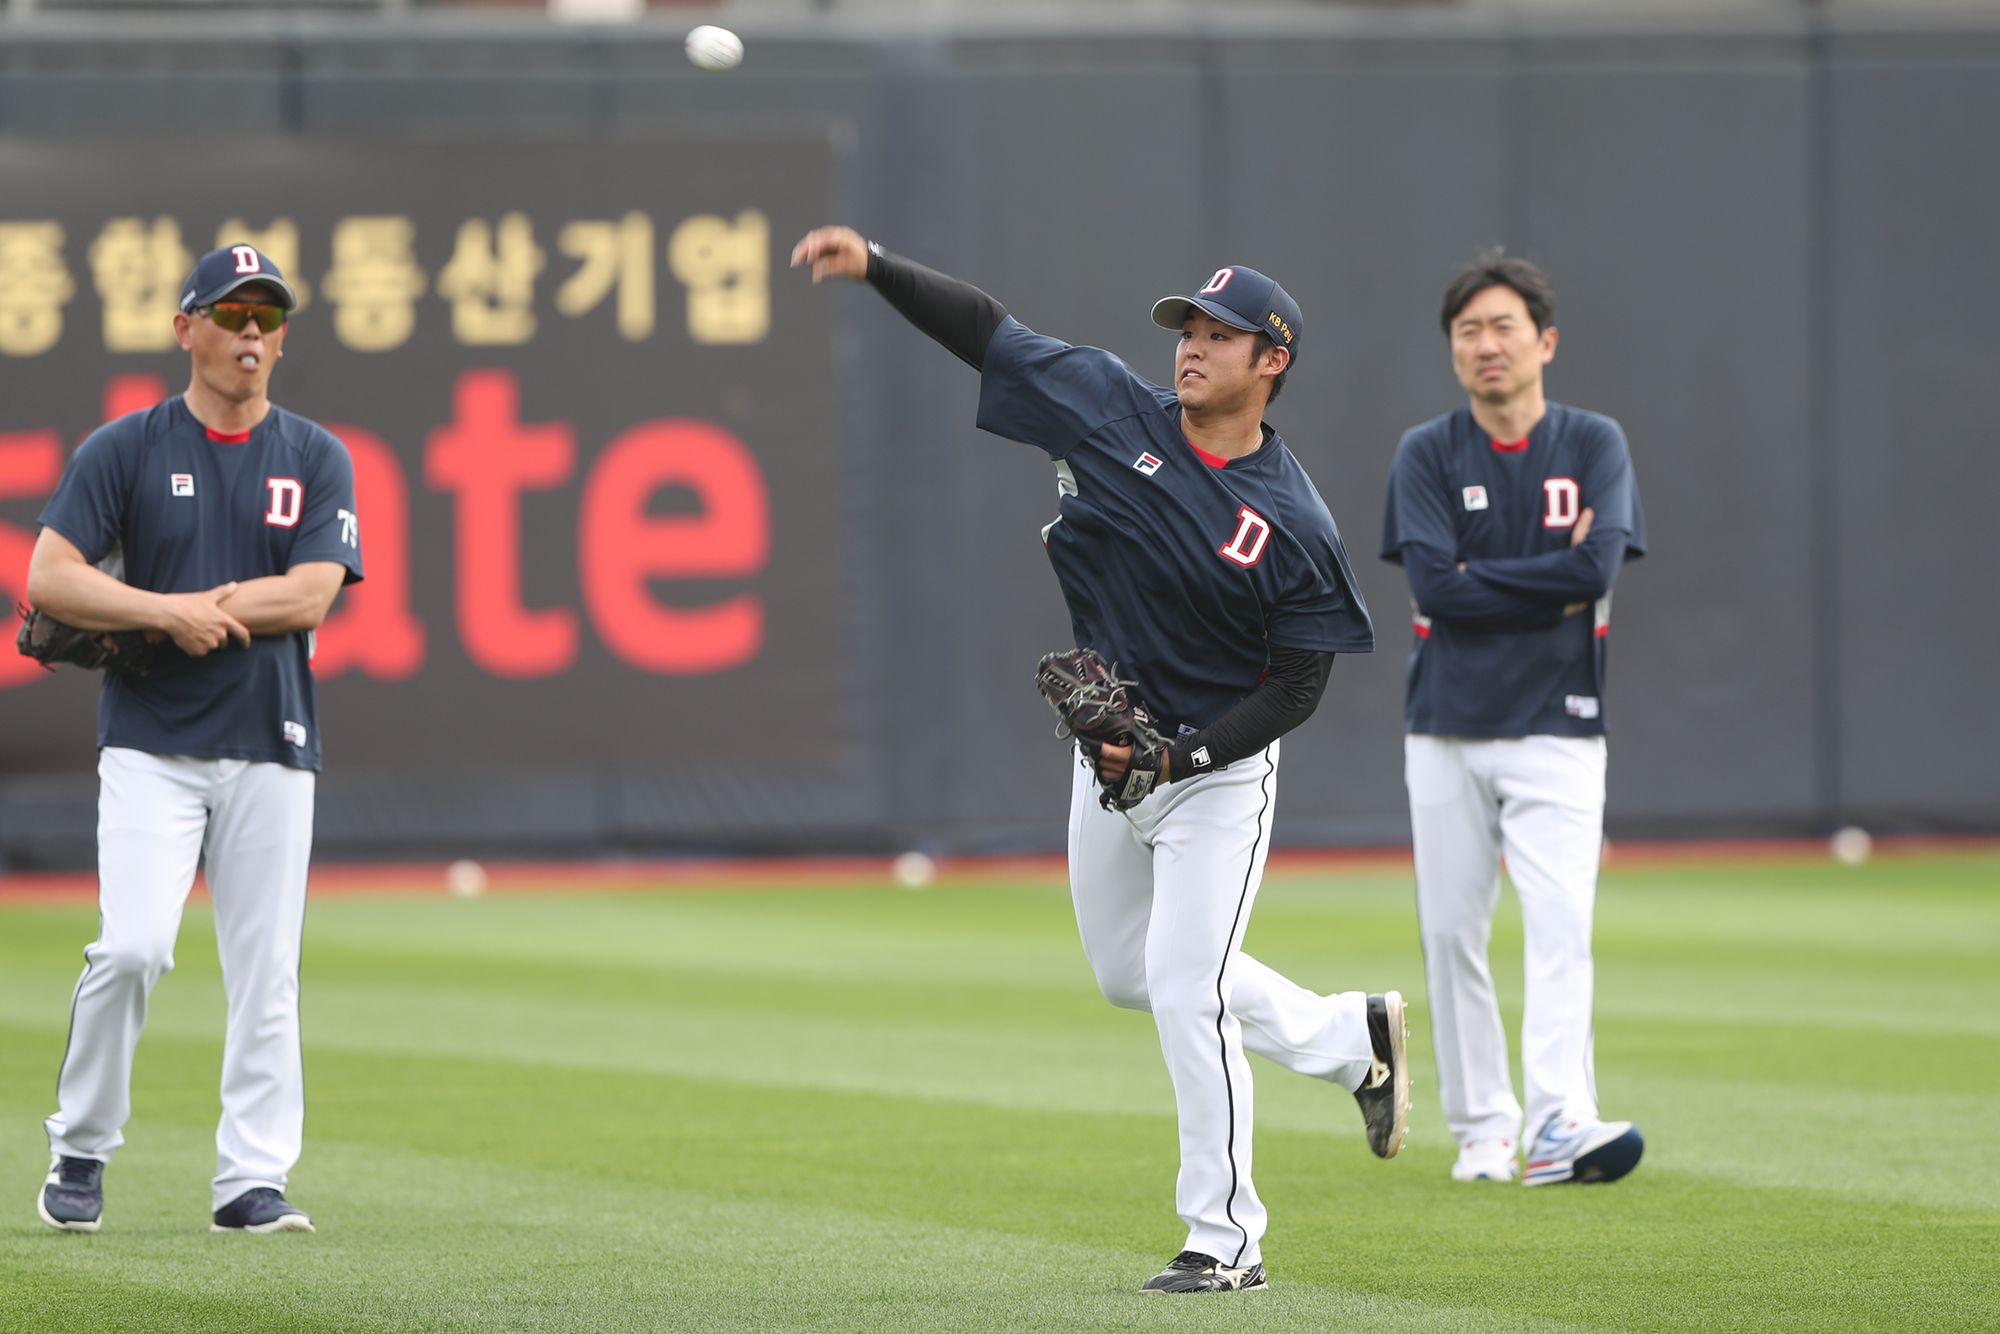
(714, 48)
(465, 879)
(1851, 846)
(913, 870)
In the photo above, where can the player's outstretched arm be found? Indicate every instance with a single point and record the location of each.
(833, 252)
(955, 313)
(68, 587)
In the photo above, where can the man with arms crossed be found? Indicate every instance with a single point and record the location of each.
(1511, 517)
(234, 523)
(1195, 554)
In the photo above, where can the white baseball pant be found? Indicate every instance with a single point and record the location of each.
(251, 822)
(1163, 895)
(1540, 800)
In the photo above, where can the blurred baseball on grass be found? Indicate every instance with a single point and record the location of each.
(465, 879)
(1850, 846)
(713, 48)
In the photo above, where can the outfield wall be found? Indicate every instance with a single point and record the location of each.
(1773, 250)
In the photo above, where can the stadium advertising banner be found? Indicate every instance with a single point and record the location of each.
(592, 429)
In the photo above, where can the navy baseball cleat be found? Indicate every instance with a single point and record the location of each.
(261, 1210)
(1191, 1271)
(1385, 1094)
(73, 1196)
(1582, 1151)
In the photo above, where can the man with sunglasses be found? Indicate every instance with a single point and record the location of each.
(226, 524)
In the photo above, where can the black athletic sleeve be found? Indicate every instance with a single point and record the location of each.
(1286, 697)
(955, 313)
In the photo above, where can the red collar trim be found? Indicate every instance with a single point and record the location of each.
(219, 438)
(1510, 446)
(1212, 460)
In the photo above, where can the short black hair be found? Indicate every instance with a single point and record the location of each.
(1264, 344)
(1496, 268)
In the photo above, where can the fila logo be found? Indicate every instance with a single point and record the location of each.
(1218, 282)
(1564, 502)
(1580, 706)
(1147, 464)
(295, 732)
(182, 483)
(1253, 530)
(1475, 497)
(1200, 757)
(246, 259)
(287, 499)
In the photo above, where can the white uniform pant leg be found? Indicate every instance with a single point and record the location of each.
(1210, 837)
(1552, 820)
(151, 811)
(1325, 1037)
(259, 847)
(1455, 829)
(1111, 886)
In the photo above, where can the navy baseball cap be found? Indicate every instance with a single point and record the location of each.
(220, 272)
(1241, 298)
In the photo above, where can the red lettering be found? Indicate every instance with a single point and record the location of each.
(31, 464)
(372, 629)
(620, 547)
(131, 393)
(488, 458)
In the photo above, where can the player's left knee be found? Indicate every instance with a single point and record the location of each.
(1126, 997)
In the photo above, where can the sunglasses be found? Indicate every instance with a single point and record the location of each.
(233, 315)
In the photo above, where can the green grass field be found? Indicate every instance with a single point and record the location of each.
(855, 1109)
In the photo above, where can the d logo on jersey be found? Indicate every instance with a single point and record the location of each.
(287, 500)
(1253, 530)
(1564, 502)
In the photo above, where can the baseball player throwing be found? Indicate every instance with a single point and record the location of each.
(1195, 554)
(227, 525)
(1511, 517)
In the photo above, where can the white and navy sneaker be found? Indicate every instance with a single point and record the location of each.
(1191, 1271)
(1582, 1151)
(1384, 1094)
(261, 1209)
(1486, 1160)
(73, 1196)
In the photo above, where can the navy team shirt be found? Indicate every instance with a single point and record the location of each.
(1495, 656)
(1183, 569)
(188, 510)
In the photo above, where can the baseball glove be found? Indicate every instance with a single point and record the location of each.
(1100, 710)
(49, 642)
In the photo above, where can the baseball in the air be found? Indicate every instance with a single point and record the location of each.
(713, 48)
(1850, 846)
(913, 870)
(465, 879)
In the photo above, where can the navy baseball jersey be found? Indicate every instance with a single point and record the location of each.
(1183, 568)
(1497, 657)
(187, 509)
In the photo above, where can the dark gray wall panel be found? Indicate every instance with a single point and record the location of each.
(1916, 195)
